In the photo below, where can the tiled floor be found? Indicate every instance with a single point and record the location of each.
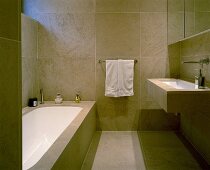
(118, 151)
(162, 150)
(165, 151)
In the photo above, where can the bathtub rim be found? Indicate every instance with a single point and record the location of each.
(50, 157)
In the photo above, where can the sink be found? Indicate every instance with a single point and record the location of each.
(174, 94)
(178, 84)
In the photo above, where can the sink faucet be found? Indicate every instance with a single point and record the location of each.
(200, 81)
(41, 96)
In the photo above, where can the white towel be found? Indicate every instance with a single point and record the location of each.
(111, 86)
(119, 78)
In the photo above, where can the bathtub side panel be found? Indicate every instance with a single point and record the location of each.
(74, 153)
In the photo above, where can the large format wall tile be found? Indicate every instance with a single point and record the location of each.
(29, 36)
(153, 5)
(157, 119)
(68, 42)
(30, 84)
(10, 104)
(66, 35)
(117, 35)
(149, 70)
(29, 79)
(67, 75)
(117, 6)
(153, 34)
(9, 19)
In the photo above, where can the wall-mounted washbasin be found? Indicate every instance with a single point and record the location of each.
(178, 84)
(174, 94)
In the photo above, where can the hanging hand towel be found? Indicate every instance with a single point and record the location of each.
(119, 78)
(125, 77)
(111, 85)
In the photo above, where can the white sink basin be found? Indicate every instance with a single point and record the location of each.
(179, 84)
(174, 94)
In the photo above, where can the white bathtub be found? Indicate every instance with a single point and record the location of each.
(40, 129)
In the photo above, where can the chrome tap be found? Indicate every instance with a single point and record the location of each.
(41, 96)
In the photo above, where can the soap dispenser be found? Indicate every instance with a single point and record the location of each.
(201, 80)
(58, 99)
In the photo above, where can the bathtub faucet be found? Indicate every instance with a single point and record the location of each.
(41, 96)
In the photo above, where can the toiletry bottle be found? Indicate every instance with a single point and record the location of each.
(58, 99)
(77, 98)
(201, 80)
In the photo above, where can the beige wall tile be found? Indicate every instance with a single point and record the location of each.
(153, 5)
(117, 6)
(197, 46)
(202, 5)
(153, 34)
(117, 35)
(10, 104)
(29, 36)
(189, 24)
(176, 5)
(66, 35)
(30, 84)
(9, 19)
(174, 60)
(149, 69)
(156, 119)
(29, 79)
(202, 21)
(175, 27)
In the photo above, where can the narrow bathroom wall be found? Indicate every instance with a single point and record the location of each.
(117, 36)
(10, 85)
(29, 33)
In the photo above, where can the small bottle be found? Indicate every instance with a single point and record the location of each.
(201, 80)
(77, 98)
(58, 99)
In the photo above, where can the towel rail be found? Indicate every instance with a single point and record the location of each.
(101, 61)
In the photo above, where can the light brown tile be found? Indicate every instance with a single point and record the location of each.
(117, 35)
(156, 119)
(126, 153)
(202, 21)
(10, 117)
(176, 5)
(149, 70)
(153, 32)
(117, 6)
(9, 19)
(202, 5)
(153, 5)
(29, 37)
(29, 79)
(174, 60)
(66, 35)
(164, 150)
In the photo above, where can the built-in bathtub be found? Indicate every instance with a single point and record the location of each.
(48, 129)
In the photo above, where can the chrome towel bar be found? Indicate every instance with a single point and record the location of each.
(101, 61)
